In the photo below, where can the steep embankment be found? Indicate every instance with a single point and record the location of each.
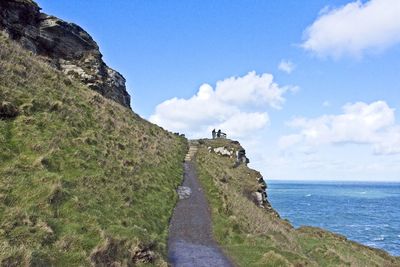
(252, 233)
(83, 180)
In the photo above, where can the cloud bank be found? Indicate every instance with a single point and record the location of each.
(360, 123)
(237, 105)
(354, 29)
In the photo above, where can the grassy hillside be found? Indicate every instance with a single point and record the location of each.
(83, 180)
(253, 236)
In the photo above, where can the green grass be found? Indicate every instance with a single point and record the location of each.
(82, 179)
(253, 236)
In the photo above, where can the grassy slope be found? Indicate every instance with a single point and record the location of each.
(81, 178)
(254, 237)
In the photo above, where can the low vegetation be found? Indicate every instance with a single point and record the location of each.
(83, 180)
(254, 236)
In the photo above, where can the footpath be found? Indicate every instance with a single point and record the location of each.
(190, 240)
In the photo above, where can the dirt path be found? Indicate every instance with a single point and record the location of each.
(190, 234)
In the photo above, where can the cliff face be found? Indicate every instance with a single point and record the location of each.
(256, 190)
(65, 45)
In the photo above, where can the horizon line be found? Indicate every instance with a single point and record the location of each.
(332, 180)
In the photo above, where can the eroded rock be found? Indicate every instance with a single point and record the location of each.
(67, 47)
(223, 151)
(258, 199)
(241, 158)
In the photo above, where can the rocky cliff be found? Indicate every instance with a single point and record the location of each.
(257, 192)
(66, 46)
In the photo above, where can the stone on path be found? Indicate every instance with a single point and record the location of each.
(184, 192)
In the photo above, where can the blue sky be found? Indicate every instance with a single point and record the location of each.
(332, 115)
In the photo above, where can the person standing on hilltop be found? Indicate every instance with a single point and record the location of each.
(213, 134)
(219, 133)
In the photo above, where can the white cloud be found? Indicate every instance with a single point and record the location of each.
(289, 140)
(243, 124)
(286, 66)
(354, 29)
(389, 142)
(359, 123)
(237, 106)
(250, 89)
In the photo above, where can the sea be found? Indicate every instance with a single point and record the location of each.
(366, 212)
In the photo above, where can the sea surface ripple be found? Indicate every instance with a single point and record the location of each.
(365, 212)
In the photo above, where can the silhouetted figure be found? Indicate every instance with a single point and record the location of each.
(219, 133)
(214, 133)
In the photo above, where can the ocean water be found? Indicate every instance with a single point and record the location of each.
(368, 213)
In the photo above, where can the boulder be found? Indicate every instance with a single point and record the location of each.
(66, 46)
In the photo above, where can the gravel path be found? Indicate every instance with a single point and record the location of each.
(190, 240)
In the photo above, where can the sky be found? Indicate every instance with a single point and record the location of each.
(310, 88)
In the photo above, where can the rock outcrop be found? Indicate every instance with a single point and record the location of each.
(260, 197)
(233, 149)
(221, 151)
(241, 157)
(65, 45)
